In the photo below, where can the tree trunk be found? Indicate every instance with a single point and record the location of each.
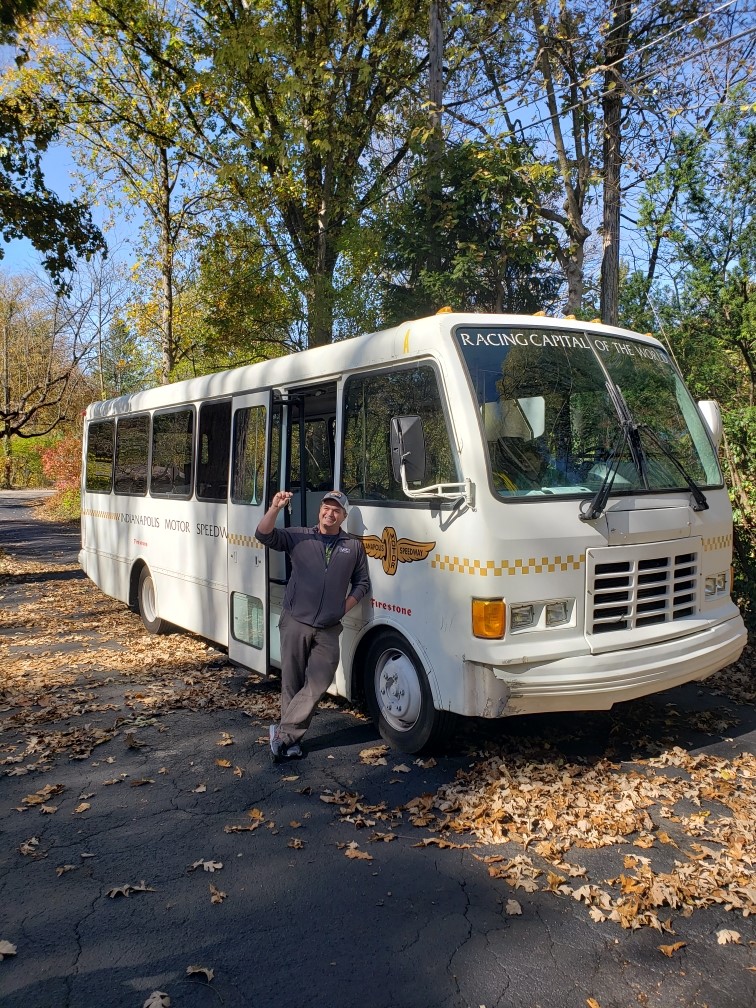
(166, 272)
(7, 447)
(435, 146)
(615, 51)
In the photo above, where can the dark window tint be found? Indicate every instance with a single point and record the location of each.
(249, 455)
(132, 445)
(172, 453)
(99, 464)
(370, 403)
(213, 444)
(313, 453)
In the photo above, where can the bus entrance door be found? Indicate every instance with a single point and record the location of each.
(248, 643)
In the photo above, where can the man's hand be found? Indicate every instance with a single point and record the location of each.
(279, 502)
(281, 499)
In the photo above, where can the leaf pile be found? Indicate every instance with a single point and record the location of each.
(68, 652)
(552, 810)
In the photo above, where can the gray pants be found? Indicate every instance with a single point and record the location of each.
(309, 656)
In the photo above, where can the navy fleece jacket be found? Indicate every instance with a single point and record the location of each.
(316, 592)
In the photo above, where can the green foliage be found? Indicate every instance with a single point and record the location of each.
(59, 230)
(490, 250)
(26, 460)
(248, 310)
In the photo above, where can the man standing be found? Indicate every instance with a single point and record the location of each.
(329, 576)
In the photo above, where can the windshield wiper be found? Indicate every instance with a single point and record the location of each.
(701, 504)
(592, 509)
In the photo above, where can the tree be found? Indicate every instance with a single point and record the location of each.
(490, 251)
(598, 91)
(60, 230)
(105, 67)
(44, 340)
(303, 95)
(706, 304)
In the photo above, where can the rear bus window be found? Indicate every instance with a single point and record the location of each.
(99, 462)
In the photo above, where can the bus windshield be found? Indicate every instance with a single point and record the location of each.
(553, 423)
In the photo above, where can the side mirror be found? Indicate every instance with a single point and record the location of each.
(408, 448)
(712, 417)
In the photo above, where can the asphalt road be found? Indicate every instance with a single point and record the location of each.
(107, 907)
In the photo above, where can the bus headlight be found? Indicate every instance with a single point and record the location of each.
(557, 612)
(715, 584)
(521, 616)
(489, 618)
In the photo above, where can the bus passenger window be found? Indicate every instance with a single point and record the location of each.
(171, 474)
(132, 444)
(248, 481)
(213, 445)
(99, 463)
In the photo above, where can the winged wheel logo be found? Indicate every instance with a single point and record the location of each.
(392, 551)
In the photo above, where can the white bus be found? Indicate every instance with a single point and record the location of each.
(540, 499)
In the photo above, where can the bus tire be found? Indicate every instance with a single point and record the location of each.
(147, 601)
(399, 698)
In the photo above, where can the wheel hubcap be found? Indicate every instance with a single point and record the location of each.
(148, 600)
(398, 690)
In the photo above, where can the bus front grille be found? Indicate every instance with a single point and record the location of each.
(634, 591)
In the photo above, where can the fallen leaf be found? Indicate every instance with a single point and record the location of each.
(216, 896)
(127, 890)
(353, 851)
(83, 806)
(296, 843)
(203, 970)
(62, 869)
(6, 949)
(513, 907)
(725, 937)
(669, 950)
(210, 866)
(158, 999)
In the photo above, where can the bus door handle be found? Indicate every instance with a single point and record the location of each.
(232, 556)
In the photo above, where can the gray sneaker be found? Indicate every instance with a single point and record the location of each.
(277, 744)
(293, 751)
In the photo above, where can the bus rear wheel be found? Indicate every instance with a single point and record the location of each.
(148, 604)
(398, 696)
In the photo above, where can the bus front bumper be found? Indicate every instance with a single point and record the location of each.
(598, 681)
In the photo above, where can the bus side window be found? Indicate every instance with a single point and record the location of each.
(370, 401)
(99, 462)
(248, 480)
(213, 443)
(132, 444)
(171, 474)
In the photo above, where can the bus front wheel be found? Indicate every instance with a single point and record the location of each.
(399, 697)
(148, 604)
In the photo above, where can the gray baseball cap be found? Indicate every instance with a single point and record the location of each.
(340, 498)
